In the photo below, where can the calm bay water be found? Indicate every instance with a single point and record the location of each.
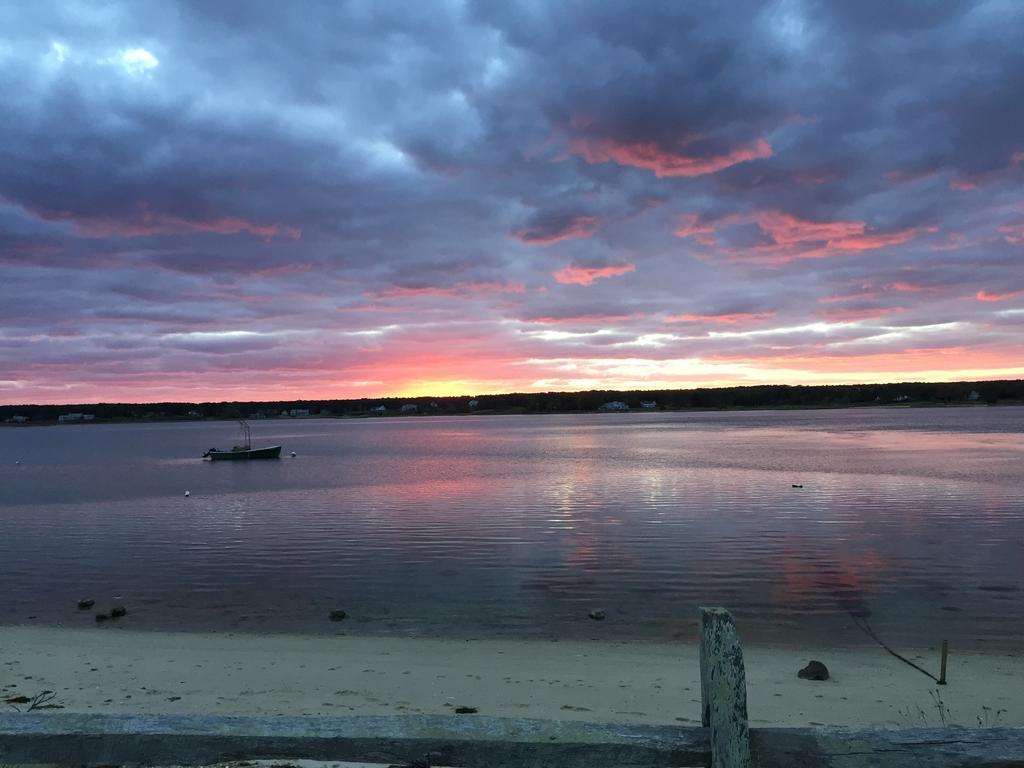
(519, 525)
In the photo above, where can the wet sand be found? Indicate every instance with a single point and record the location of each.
(113, 669)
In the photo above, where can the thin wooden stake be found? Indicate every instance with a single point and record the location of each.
(942, 668)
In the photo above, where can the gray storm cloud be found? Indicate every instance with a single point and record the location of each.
(544, 194)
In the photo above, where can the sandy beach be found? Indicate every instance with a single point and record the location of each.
(118, 670)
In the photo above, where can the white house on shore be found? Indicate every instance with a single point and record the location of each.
(649, 404)
(473, 403)
(66, 417)
(614, 405)
(410, 408)
(379, 409)
(298, 412)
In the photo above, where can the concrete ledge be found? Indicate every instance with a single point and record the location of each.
(472, 740)
(442, 740)
(889, 747)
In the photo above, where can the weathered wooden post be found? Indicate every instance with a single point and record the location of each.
(723, 690)
(942, 668)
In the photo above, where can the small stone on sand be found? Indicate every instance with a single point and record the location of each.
(814, 670)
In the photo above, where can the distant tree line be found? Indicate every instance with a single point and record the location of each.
(760, 396)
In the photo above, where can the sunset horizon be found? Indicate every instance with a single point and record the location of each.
(468, 394)
(255, 393)
(472, 198)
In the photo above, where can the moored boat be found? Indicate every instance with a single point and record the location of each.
(239, 453)
(245, 451)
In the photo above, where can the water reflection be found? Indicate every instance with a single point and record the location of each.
(521, 525)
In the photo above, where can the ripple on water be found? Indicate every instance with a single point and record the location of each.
(521, 525)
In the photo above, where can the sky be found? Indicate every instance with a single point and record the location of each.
(262, 200)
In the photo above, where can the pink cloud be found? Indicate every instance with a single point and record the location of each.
(792, 237)
(904, 287)
(785, 229)
(967, 183)
(595, 318)
(909, 360)
(146, 223)
(459, 289)
(910, 175)
(871, 242)
(983, 295)
(964, 183)
(573, 275)
(726, 318)
(866, 294)
(1012, 233)
(702, 233)
(869, 292)
(665, 162)
(577, 227)
(848, 314)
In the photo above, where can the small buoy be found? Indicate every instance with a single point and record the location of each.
(797, 486)
(293, 454)
(187, 494)
(18, 462)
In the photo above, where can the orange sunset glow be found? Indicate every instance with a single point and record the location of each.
(562, 201)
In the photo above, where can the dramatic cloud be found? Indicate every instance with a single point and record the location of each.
(725, 318)
(573, 275)
(368, 198)
(785, 237)
(986, 296)
(672, 161)
(547, 229)
(164, 224)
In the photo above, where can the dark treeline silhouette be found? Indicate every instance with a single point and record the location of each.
(761, 396)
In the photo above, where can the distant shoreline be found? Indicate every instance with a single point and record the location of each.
(513, 412)
(752, 397)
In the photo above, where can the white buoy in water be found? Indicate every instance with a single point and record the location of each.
(187, 494)
(293, 454)
(18, 462)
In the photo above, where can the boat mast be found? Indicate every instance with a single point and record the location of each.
(246, 438)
